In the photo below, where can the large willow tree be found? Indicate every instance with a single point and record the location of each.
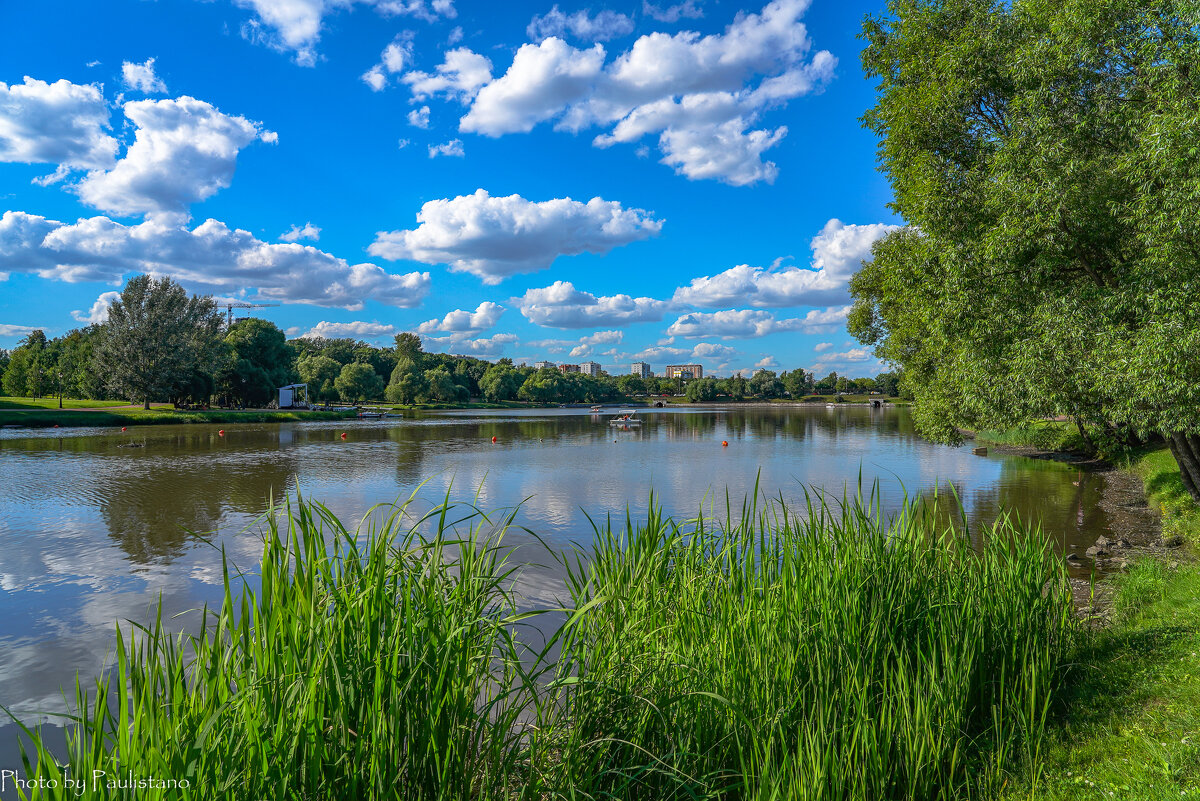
(1046, 155)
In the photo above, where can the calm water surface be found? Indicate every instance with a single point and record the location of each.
(96, 524)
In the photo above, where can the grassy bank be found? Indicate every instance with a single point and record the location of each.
(48, 418)
(1127, 721)
(836, 655)
(1046, 435)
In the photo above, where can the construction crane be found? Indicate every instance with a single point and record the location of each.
(230, 306)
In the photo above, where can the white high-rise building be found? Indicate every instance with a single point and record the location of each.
(590, 368)
(544, 365)
(640, 369)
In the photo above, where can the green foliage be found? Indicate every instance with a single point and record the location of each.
(260, 362)
(701, 389)
(357, 382)
(1041, 154)
(320, 372)
(26, 372)
(766, 383)
(155, 337)
(501, 382)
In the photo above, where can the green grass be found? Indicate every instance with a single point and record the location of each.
(47, 418)
(52, 403)
(832, 654)
(1047, 435)
(1127, 724)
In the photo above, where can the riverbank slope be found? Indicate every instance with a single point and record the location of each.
(1125, 723)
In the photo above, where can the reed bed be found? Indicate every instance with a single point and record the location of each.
(838, 653)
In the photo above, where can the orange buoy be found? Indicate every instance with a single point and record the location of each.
(122, 427)
(724, 443)
(493, 440)
(221, 433)
(343, 435)
(56, 426)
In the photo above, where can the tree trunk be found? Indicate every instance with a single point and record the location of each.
(146, 405)
(1186, 450)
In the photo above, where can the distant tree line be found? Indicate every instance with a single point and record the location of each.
(161, 345)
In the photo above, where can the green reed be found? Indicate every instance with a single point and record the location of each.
(371, 664)
(833, 654)
(830, 655)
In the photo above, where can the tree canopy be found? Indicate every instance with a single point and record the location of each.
(1044, 157)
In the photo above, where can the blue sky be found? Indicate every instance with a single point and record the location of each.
(615, 181)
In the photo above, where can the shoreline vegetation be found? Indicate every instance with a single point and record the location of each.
(831, 653)
(43, 412)
(1125, 721)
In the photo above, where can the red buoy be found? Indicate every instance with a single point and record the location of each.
(343, 435)
(56, 426)
(724, 443)
(122, 427)
(221, 433)
(493, 440)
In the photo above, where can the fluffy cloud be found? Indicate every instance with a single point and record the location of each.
(452, 148)
(543, 80)
(588, 344)
(419, 117)
(821, 347)
(55, 123)
(561, 305)
(141, 78)
(459, 321)
(688, 9)
(353, 330)
(603, 26)
(703, 96)
(99, 311)
(704, 352)
(746, 323)
(837, 252)
(209, 257)
(295, 25)
(184, 151)
(9, 330)
(481, 348)
(394, 58)
(295, 233)
(495, 237)
(460, 75)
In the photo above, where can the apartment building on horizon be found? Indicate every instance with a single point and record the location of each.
(640, 369)
(685, 371)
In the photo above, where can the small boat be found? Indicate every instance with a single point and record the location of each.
(596, 408)
(625, 417)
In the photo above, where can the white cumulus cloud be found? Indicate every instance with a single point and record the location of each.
(99, 311)
(452, 148)
(294, 26)
(419, 117)
(459, 321)
(141, 77)
(460, 75)
(394, 59)
(747, 323)
(495, 237)
(481, 348)
(184, 150)
(10, 330)
(838, 250)
(209, 257)
(561, 305)
(354, 330)
(55, 123)
(602, 26)
(689, 9)
(703, 96)
(296, 233)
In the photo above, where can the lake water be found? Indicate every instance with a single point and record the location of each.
(96, 524)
